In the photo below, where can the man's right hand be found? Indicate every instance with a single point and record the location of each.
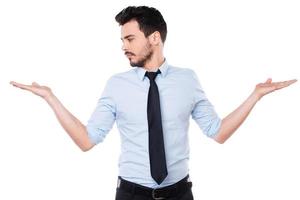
(35, 88)
(76, 130)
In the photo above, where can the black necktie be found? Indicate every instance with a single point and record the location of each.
(157, 156)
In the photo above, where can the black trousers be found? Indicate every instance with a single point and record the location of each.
(121, 195)
(125, 195)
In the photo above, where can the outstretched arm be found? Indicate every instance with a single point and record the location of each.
(232, 121)
(75, 129)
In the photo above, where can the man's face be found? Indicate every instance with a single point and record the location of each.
(136, 46)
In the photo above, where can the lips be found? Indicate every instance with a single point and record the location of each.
(129, 54)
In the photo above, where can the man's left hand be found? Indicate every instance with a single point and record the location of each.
(267, 87)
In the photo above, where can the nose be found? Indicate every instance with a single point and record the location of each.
(124, 46)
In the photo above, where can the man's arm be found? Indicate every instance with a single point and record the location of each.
(76, 130)
(232, 121)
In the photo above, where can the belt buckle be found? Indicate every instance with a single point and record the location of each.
(154, 196)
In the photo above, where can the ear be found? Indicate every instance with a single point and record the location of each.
(155, 38)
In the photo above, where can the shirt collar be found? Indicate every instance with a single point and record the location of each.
(163, 69)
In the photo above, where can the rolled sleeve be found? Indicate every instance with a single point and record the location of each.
(103, 117)
(203, 111)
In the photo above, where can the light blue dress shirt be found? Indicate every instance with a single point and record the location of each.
(124, 100)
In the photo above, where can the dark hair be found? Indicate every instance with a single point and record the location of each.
(148, 18)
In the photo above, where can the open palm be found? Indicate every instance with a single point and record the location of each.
(267, 87)
(35, 88)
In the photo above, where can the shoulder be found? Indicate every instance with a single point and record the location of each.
(118, 77)
(182, 71)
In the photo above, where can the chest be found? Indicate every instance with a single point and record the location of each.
(176, 101)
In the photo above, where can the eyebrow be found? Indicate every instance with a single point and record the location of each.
(127, 36)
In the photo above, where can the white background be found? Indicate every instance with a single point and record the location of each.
(74, 47)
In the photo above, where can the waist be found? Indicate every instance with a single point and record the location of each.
(156, 193)
(140, 174)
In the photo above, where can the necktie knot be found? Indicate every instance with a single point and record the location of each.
(152, 75)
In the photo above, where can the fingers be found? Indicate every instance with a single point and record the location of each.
(21, 86)
(292, 81)
(284, 84)
(287, 83)
(270, 86)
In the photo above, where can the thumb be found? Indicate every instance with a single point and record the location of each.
(269, 80)
(35, 84)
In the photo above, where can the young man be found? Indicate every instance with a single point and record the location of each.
(151, 104)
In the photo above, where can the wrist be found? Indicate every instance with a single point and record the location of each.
(49, 97)
(255, 96)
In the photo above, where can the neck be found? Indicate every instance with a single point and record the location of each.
(155, 62)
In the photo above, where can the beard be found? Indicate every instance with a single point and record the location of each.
(147, 55)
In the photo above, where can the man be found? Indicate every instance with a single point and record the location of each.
(151, 104)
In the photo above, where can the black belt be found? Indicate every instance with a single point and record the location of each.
(159, 193)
